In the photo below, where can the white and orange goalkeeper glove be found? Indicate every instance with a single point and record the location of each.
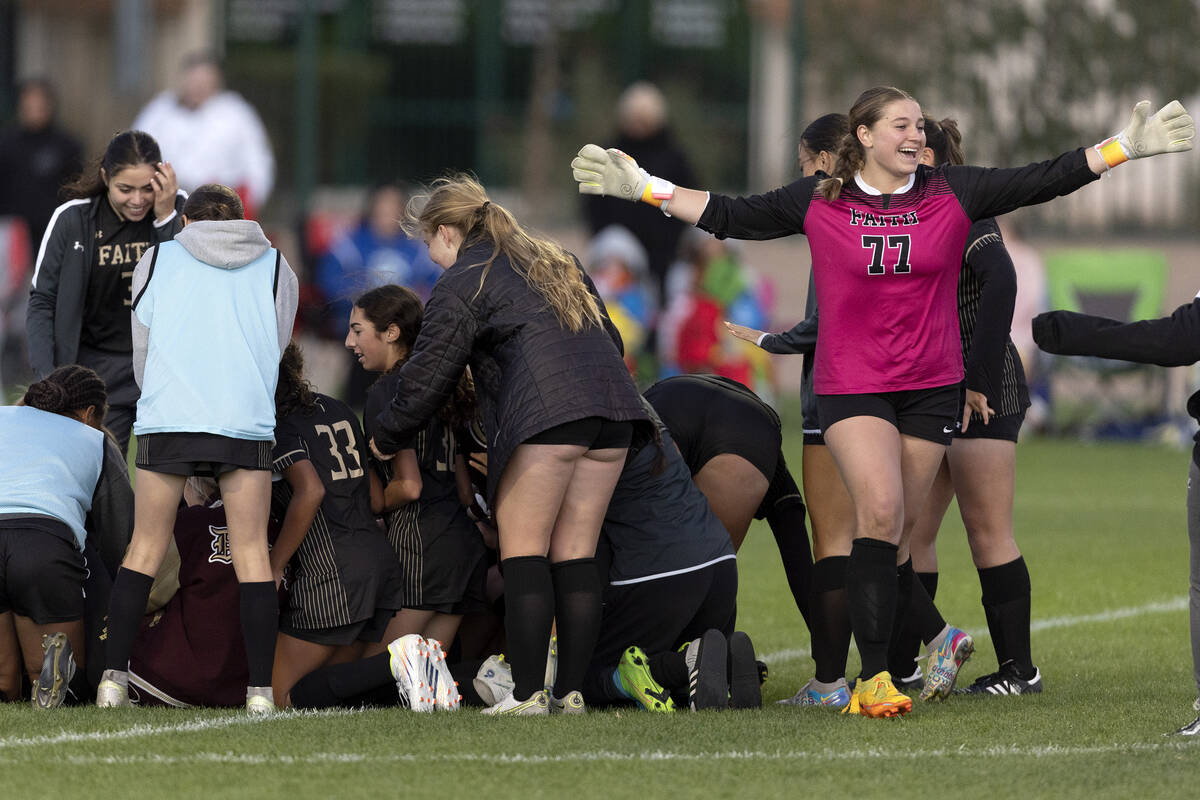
(614, 174)
(1169, 130)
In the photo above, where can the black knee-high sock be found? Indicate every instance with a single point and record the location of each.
(340, 684)
(906, 649)
(130, 592)
(669, 670)
(1006, 604)
(528, 617)
(900, 651)
(930, 581)
(786, 519)
(464, 673)
(259, 603)
(927, 621)
(577, 591)
(871, 590)
(830, 620)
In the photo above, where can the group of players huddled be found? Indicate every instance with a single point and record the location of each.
(508, 490)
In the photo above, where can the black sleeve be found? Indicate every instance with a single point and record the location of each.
(110, 521)
(431, 373)
(1172, 341)
(988, 192)
(43, 294)
(761, 216)
(801, 339)
(988, 259)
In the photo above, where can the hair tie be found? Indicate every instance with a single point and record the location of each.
(483, 208)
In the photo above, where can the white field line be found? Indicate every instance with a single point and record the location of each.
(142, 730)
(1175, 604)
(805, 756)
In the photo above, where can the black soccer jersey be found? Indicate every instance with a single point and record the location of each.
(437, 513)
(335, 571)
(992, 363)
(119, 245)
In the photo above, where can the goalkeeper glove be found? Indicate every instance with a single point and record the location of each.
(1170, 130)
(615, 174)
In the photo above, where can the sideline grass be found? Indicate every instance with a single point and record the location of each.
(1102, 527)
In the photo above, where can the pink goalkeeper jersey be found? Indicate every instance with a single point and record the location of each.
(886, 266)
(886, 270)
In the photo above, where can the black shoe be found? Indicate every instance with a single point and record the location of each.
(708, 678)
(744, 689)
(1006, 682)
(762, 672)
(914, 682)
(1191, 729)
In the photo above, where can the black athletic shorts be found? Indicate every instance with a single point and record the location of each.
(468, 582)
(204, 454)
(594, 433)
(41, 571)
(1006, 428)
(930, 414)
(366, 630)
(661, 614)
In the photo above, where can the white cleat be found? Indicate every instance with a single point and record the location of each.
(414, 673)
(446, 696)
(494, 680)
(112, 692)
(538, 705)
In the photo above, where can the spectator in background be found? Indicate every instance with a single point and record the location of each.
(212, 134)
(36, 158)
(617, 265)
(722, 288)
(643, 134)
(375, 253)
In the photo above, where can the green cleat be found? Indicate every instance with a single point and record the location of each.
(633, 675)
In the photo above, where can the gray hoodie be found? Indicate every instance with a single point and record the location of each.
(222, 244)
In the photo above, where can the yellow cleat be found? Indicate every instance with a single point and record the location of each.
(878, 697)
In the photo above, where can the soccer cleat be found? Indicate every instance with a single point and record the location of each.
(111, 692)
(260, 701)
(878, 697)
(551, 665)
(1191, 729)
(633, 674)
(58, 668)
(914, 681)
(1006, 682)
(494, 680)
(411, 667)
(945, 662)
(744, 689)
(538, 705)
(571, 704)
(708, 678)
(810, 695)
(445, 694)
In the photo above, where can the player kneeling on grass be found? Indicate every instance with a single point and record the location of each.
(212, 313)
(55, 471)
(667, 633)
(343, 582)
(423, 493)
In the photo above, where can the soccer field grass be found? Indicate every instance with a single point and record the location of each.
(1101, 526)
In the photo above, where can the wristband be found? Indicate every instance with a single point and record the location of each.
(1112, 152)
(657, 191)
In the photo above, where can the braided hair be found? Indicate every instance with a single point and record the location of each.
(69, 391)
